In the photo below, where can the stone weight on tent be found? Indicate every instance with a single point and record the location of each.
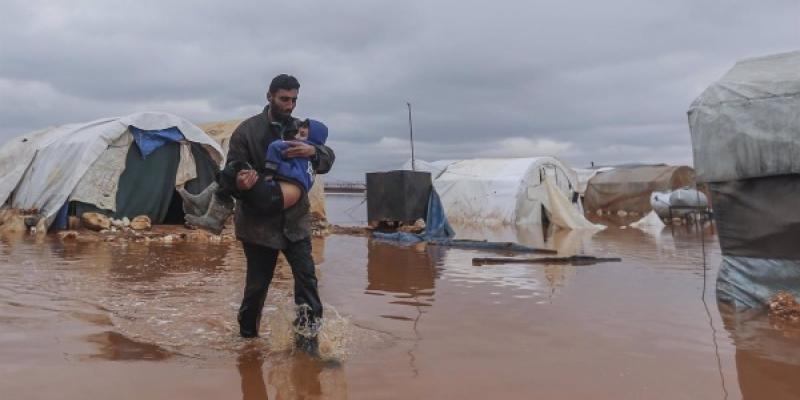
(120, 166)
(746, 139)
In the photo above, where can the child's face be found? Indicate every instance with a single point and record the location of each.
(302, 133)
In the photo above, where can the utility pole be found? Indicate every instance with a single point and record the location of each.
(411, 135)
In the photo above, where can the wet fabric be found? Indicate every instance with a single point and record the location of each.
(147, 185)
(206, 169)
(150, 140)
(48, 164)
(746, 124)
(758, 217)
(747, 282)
(629, 188)
(100, 183)
(500, 191)
(561, 212)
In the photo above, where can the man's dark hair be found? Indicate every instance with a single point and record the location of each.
(285, 82)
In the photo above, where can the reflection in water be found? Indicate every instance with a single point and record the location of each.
(767, 354)
(408, 272)
(249, 365)
(404, 270)
(566, 241)
(292, 376)
(117, 347)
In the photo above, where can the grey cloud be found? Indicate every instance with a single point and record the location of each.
(596, 81)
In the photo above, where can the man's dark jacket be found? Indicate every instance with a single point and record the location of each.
(249, 143)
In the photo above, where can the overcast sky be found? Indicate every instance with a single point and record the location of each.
(604, 81)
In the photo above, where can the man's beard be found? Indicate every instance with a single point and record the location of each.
(279, 115)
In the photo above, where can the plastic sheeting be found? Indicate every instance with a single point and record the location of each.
(149, 141)
(100, 183)
(748, 282)
(667, 204)
(561, 212)
(651, 220)
(498, 191)
(629, 188)
(187, 168)
(58, 158)
(317, 198)
(758, 217)
(746, 140)
(586, 174)
(746, 124)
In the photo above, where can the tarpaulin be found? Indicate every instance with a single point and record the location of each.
(150, 140)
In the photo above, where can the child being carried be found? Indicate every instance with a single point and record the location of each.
(282, 184)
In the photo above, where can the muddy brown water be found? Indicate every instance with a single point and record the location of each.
(157, 321)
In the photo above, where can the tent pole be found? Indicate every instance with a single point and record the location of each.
(411, 135)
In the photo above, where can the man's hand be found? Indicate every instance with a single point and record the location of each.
(246, 179)
(299, 149)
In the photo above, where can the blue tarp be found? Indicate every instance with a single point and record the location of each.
(150, 141)
(438, 232)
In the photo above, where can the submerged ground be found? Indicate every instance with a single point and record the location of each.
(135, 320)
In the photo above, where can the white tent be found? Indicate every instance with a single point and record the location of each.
(44, 169)
(506, 191)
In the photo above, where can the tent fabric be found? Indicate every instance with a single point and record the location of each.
(150, 141)
(160, 193)
(434, 168)
(48, 166)
(187, 167)
(499, 191)
(153, 176)
(746, 124)
(746, 137)
(750, 282)
(586, 174)
(629, 188)
(651, 220)
(316, 197)
(561, 212)
(100, 183)
(206, 169)
(758, 217)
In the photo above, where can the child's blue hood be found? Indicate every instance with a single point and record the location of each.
(317, 132)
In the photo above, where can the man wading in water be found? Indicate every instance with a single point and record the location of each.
(263, 236)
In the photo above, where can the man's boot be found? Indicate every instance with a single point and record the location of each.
(219, 210)
(197, 204)
(306, 331)
(307, 344)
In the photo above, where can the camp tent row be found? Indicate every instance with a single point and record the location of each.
(746, 140)
(530, 191)
(122, 166)
(628, 187)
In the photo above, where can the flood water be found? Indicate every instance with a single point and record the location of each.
(157, 321)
